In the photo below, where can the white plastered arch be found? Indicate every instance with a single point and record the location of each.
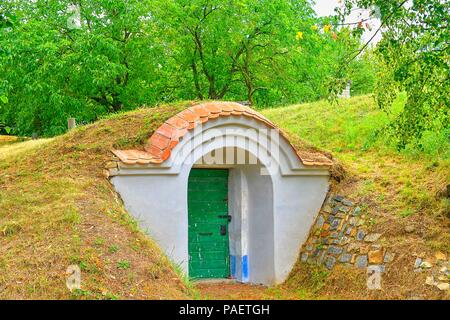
(270, 147)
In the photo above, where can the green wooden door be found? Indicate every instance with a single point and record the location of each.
(208, 223)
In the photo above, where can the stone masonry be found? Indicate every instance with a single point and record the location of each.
(340, 236)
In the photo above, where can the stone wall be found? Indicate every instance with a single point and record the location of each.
(340, 236)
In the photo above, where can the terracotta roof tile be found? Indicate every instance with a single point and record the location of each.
(227, 107)
(178, 123)
(315, 159)
(248, 111)
(213, 107)
(214, 110)
(191, 117)
(201, 111)
(158, 154)
(167, 130)
(134, 156)
(160, 141)
(214, 115)
(173, 143)
(238, 107)
(167, 136)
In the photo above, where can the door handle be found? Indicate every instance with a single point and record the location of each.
(205, 233)
(223, 230)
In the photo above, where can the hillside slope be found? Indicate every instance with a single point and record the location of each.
(404, 196)
(57, 209)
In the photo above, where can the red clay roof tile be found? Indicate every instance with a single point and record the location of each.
(160, 141)
(133, 156)
(238, 107)
(155, 152)
(167, 136)
(201, 111)
(227, 107)
(214, 115)
(189, 116)
(167, 130)
(248, 111)
(213, 108)
(173, 143)
(121, 154)
(178, 123)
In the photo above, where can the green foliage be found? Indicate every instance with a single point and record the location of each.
(59, 59)
(57, 69)
(354, 125)
(267, 52)
(113, 248)
(414, 57)
(362, 72)
(123, 264)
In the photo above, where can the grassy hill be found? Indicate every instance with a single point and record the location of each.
(409, 184)
(404, 193)
(58, 209)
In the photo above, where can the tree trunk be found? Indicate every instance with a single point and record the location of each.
(196, 81)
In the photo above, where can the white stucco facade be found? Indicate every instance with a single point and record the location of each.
(273, 198)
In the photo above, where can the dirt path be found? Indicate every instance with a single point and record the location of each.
(239, 291)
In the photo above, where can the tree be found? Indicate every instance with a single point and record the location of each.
(85, 58)
(59, 67)
(414, 54)
(225, 45)
(6, 22)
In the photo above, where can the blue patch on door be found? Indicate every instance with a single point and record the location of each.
(233, 266)
(245, 268)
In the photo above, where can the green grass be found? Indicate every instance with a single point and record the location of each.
(341, 128)
(113, 249)
(58, 209)
(405, 181)
(351, 127)
(55, 201)
(13, 148)
(396, 188)
(123, 264)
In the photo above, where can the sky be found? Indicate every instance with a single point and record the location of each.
(326, 8)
